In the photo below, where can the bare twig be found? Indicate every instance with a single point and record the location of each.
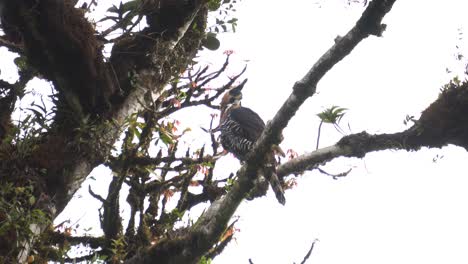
(306, 257)
(335, 176)
(96, 196)
(318, 134)
(13, 47)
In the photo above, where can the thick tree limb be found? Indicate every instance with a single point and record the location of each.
(59, 238)
(147, 81)
(356, 145)
(13, 47)
(368, 24)
(443, 122)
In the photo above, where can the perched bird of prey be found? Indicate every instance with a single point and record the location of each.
(240, 128)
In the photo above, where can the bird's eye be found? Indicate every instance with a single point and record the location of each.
(232, 99)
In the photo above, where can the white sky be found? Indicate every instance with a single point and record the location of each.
(394, 207)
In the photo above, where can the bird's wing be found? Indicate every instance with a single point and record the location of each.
(251, 123)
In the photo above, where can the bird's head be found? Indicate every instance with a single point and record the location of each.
(232, 98)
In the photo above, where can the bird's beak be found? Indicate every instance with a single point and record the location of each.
(235, 92)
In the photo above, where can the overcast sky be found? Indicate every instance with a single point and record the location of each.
(394, 207)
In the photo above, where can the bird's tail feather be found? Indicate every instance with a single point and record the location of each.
(270, 175)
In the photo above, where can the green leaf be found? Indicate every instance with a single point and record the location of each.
(332, 115)
(207, 164)
(113, 9)
(130, 6)
(136, 132)
(21, 62)
(32, 200)
(165, 137)
(20, 190)
(149, 170)
(204, 260)
(211, 42)
(213, 5)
